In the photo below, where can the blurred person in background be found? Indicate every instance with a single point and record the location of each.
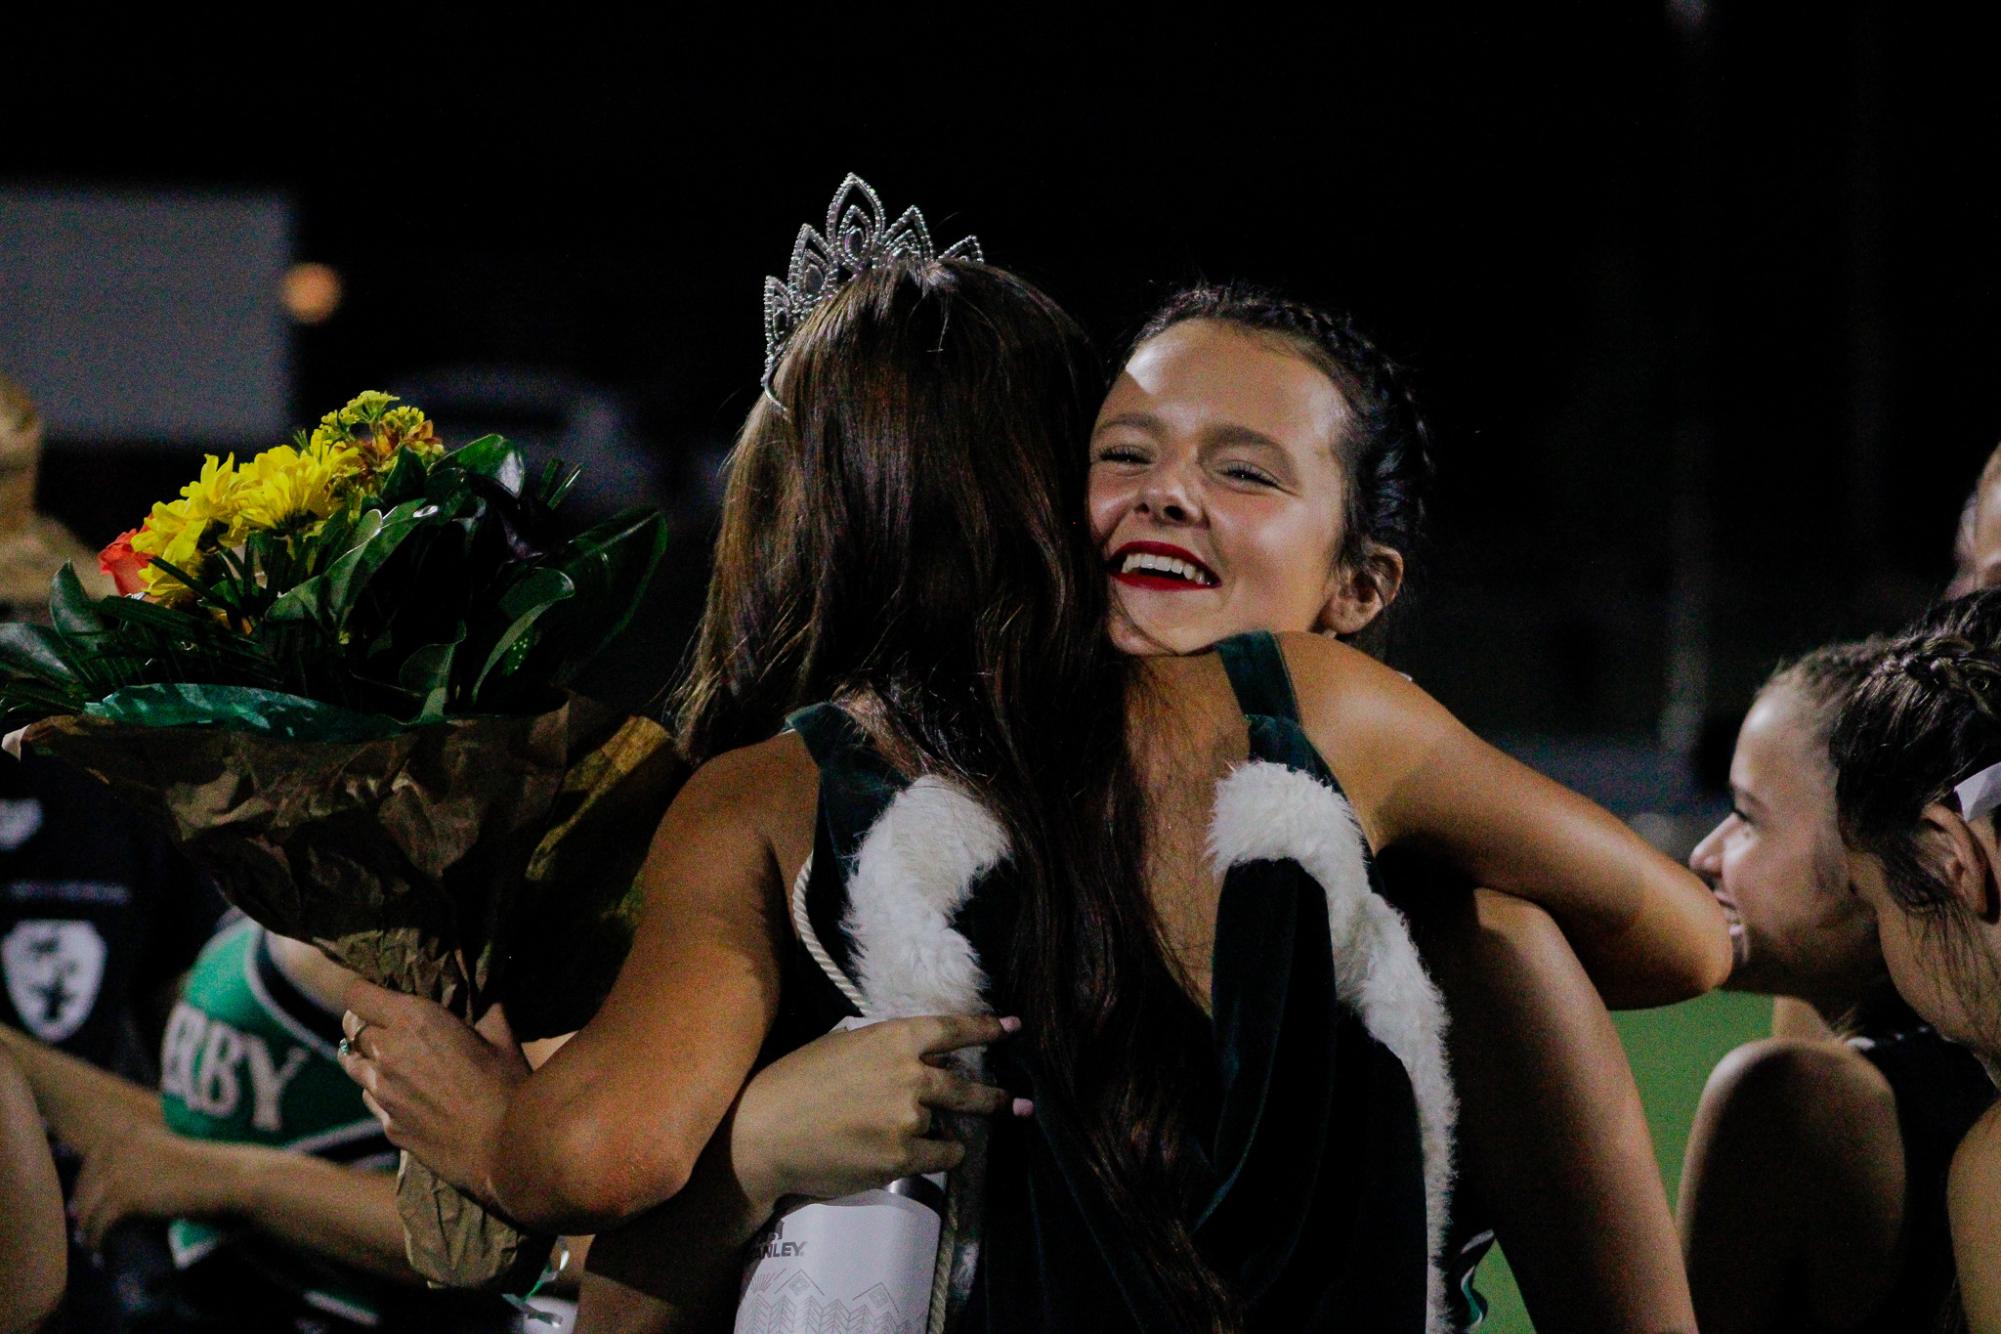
(98, 916)
(1917, 754)
(275, 1185)
(1814, 1191)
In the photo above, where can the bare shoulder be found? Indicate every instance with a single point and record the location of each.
(1800, 1085)
(750, 809)
(1795, 1173)
(1974, 1191)
(1344, 692)
(1827, 1114)
(765, 786)
(1973, 1194)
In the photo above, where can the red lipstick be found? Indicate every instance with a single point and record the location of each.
(1161, 573)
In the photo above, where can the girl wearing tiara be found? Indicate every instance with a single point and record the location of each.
(898, 539)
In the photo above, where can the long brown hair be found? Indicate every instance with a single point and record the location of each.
(903, 526)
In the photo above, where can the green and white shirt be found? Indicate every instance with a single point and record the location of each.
(250, 1059)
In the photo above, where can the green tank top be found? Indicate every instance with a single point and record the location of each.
(250, 1059)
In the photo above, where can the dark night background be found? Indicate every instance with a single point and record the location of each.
(1704, 299)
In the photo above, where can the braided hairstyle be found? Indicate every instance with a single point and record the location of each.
(1823, 681)
(1926, 717)
(1385, 452)
(1826, 679)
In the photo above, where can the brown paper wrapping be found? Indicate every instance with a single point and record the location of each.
(476, 860)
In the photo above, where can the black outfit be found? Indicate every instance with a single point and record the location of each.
(1941, 1090)
(1309, 1197)
(97, 914)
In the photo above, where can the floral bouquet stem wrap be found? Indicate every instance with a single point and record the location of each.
(356, 724)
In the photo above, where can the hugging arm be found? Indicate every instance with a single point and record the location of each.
(616, 1120)
(1645, 929)
(1553, 1140)
(847, 1112)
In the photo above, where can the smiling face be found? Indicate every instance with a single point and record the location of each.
(1776, 864)
(1217, 492)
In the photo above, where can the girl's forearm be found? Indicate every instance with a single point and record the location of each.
(1676, 946)
(1553, 1136)
(81, 1103)
(340, 1213)
(32, 1251)
(675, 1269)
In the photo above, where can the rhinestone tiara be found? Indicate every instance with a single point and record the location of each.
(855, 241)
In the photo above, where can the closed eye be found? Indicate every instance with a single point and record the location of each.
(1118, 454)
(1244, 472)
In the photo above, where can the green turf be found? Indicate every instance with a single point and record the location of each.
(1673, 1051)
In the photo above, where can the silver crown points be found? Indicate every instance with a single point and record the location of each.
(854, 242)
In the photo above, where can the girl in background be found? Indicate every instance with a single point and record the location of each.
(1813, 1196)
(1917, 754)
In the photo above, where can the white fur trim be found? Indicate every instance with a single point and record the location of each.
(1265, 811)
(916, 866)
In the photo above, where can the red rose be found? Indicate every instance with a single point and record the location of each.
(122, 563)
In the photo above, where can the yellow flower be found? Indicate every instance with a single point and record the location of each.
(294, 491)
(215, 496)
(162, 526)
(366, 408)
(408, 428)
(376, 430)
(175, 536)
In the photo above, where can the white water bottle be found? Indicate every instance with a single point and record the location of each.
(860, 1264)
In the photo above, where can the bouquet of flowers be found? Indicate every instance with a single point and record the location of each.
(337, 679)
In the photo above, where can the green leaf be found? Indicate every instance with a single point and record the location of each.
(326, 599)
(241, 709)
(73, 610)
(23, 701)
(74, 615)
(611, 565)
(553, 487)
(405, 480)
(491, 456)
(427, 673)
(37, 652)
(525, 603)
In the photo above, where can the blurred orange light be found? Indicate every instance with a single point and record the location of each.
(311, 293)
